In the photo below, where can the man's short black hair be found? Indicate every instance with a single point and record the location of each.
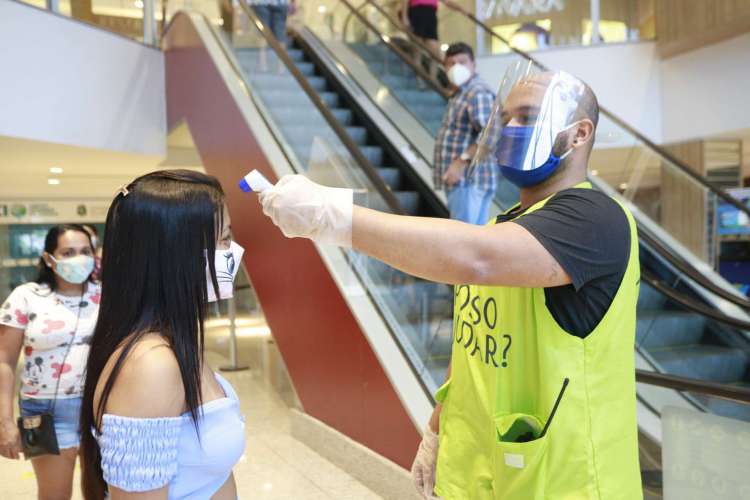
(459, 48)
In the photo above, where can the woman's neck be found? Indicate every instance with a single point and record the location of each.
(69, 289)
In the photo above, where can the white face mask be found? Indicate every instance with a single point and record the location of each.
(459, 74)
(227, 263)
(74, 269)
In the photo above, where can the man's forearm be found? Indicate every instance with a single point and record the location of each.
(439, 250)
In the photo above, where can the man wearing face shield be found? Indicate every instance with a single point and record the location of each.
(540, 397)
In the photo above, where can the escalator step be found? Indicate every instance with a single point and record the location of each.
(318, 83)
(726, 408)
(296, 55)
(374, 155)
(705, 362)
(331, 99)
(306, 68)
(409, 201)
(658, 329)
(358, 135)
(391, 176)
(649, 299)
(343, 115)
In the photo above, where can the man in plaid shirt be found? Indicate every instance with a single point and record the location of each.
(468, 112)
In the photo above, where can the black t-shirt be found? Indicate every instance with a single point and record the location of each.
(588, 234)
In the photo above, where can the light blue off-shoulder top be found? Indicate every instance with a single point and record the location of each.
(143, 454)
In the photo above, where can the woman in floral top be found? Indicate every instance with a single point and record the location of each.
(47, 319)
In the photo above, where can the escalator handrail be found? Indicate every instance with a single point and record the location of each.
(689, 270)
(388, 196)
(424, 75)
(691, 304)
(724, 391)
(679, 164)
(412, 37)
(424, 189)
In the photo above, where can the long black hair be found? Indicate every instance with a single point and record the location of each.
(46, 275)
(159, 231)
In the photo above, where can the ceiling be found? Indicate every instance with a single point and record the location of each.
(87, 173)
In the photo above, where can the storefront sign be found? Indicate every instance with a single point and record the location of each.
(53, 211)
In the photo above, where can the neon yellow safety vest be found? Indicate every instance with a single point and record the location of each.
(509, 362)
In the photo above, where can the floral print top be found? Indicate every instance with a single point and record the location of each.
(48, 320)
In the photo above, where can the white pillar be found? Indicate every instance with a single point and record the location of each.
(595, 38)
(149, 23)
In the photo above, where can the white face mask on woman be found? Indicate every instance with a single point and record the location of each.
(227, 263)
(459, 74)
(74, 269)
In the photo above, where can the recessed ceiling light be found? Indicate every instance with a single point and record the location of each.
(444, 47)
(139, 4)
(53, 182)
(322, 9)
(55, 170)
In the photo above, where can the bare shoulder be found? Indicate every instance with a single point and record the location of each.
(149, 384)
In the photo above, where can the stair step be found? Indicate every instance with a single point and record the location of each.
(358, 134)
(704, 362)
(306, 68)
(726, 408)
(649, 299)
(669, 328)
(331, 99)
(409, 201)
(343, 115)
(391, 176)
(296, 55)
(374, 154)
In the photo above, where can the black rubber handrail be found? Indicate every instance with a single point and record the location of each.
(679, 164)
(689, 270)
(724, 391)
(425, 191)
(424, 75)
(370, 171)
(692, 304)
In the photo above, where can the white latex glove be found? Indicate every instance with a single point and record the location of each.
(423, 468)
(304, 209)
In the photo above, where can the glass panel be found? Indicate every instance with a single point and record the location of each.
(345, 31)
(704, 456)
(417, 312)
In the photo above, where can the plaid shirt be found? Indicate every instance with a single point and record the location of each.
(466, 115)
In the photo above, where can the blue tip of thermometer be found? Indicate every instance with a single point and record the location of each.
(254, 182)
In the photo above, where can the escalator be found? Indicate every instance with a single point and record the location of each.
(674, 335)
(318, 111)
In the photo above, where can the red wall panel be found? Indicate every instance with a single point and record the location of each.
(335, 372)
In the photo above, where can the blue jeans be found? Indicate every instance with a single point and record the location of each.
(274, 17)
(66, 418)
(470, 204)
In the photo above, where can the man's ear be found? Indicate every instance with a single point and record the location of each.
(584, 132)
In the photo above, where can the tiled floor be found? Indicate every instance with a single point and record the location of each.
(275, 466)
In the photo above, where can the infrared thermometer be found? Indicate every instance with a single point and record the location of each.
(254, 182)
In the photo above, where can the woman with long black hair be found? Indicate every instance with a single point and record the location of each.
(51, 319)
(156, 422)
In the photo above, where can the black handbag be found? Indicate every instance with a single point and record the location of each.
(38, 436)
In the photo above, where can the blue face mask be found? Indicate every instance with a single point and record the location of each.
(511, 153)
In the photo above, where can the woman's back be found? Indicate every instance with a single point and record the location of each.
(148, 440)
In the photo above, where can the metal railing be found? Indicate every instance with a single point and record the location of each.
(679, 164)
(406, 58)
(370, 171)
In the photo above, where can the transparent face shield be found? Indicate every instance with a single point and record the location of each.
(525, 136)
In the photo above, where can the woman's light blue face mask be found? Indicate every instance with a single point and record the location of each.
(74, 270)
